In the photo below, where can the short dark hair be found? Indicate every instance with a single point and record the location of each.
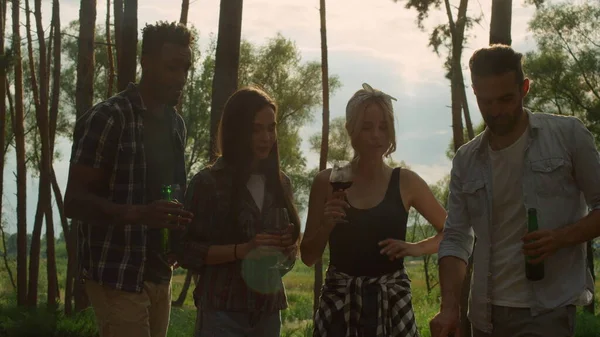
(156, 35)
(496, 59)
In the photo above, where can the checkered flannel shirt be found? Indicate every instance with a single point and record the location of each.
(109, 137)
(395, 316)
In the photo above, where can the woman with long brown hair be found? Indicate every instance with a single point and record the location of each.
(237, 201)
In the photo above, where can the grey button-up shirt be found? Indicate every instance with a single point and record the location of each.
(561, 178)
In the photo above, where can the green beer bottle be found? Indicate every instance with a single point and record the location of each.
(533, 272)
(166, 194)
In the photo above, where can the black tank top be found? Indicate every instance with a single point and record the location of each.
(354, 246)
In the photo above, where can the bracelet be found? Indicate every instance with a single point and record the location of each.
(235, 258)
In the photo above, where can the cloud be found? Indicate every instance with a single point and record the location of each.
(432, 173)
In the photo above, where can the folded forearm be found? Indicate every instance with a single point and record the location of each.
(96, 210)
(222, 254)
(452, 274)
(586, 229)
(431, 245)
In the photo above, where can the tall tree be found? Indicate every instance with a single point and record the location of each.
(452, 36)
(318, 283)
(500, 22)
(128, 45)
(118, 24)
(85, 60)
(53, 294)
(4, 66)
(457, 85)
(185, 8)
(53, 116)
(109, 51)
(19, 130)
(40, 90)
(83, 101)
(227, 62)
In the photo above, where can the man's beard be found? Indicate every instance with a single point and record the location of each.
(505, 124)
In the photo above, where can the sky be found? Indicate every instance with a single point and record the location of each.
(374, 41)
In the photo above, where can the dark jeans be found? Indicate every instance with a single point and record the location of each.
(367, 325)
(238, 324)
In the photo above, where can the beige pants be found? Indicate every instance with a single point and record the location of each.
(518, 322)
(125, 314)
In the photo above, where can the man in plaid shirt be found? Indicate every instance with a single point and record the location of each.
(124, 150)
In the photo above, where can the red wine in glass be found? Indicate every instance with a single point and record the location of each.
(341, 176)
(340, 185)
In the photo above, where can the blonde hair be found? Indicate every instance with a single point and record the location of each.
(355, 111)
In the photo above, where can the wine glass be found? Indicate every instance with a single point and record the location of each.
(341, 176)
(277, 222)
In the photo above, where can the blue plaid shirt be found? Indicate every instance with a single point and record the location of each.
(109, 136)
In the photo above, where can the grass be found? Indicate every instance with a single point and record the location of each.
(19, 322)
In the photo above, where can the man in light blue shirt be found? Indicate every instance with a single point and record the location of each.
(522, 160)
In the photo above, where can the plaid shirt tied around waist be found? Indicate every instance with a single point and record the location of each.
(395, 317)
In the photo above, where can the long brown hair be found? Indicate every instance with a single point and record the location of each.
(234, 145)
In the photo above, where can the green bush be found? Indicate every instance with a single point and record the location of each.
(25, 322)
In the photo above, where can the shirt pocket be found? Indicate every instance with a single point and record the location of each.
(550, 176)
(475, 195)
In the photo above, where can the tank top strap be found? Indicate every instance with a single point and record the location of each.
(393, 190)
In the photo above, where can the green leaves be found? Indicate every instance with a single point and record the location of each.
(566, 68)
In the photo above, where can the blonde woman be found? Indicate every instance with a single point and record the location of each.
(367, 290)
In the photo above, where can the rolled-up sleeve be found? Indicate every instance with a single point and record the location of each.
(586, 164)
(458, 233)
(196, 238)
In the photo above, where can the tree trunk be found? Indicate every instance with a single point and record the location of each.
(19, 127)
(185, 8)
(128, 44)
(11, 110)
(41, 103)
(84, 95)
(590, 260)
(465, 106)
(426, 272)
(459, 104)
(500, 23)
(56, 68)
(47, 151)
(227, 63)
(318, 284)
(5, 259)
(457, 33)
(4, 65)
(118, 23)
(109, 52)
(85, 57)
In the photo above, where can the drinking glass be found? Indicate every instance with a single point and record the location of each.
(277, 222)
(341, 176)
